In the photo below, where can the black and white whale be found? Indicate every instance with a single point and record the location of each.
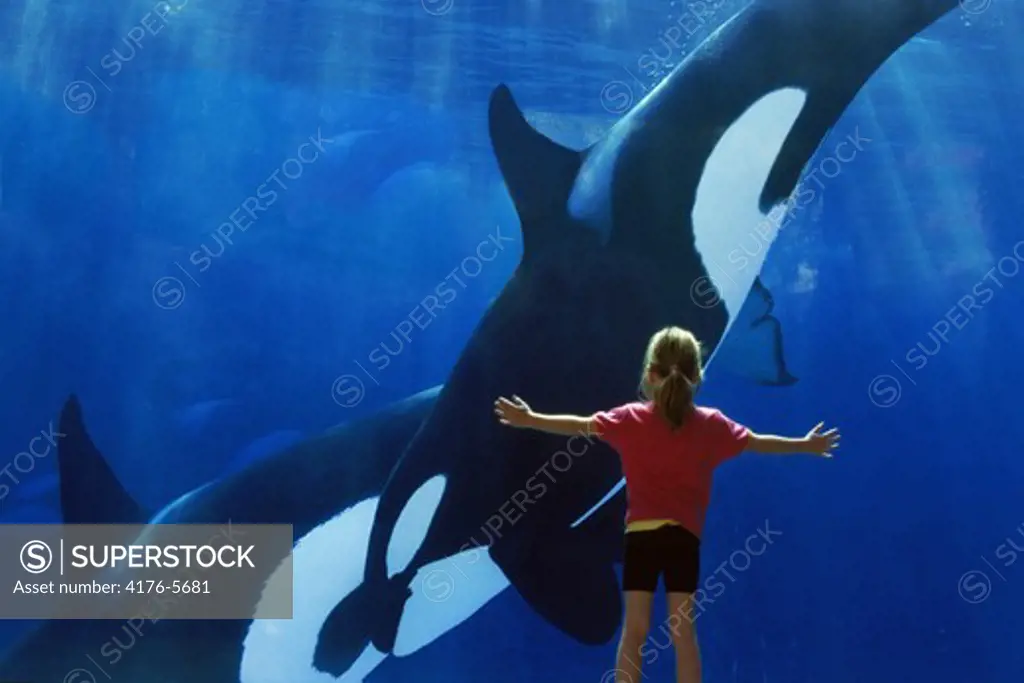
(632, 234)
(618, 240)
(323, 486)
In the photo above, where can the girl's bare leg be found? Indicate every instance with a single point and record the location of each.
(634, 633)
(684, 635)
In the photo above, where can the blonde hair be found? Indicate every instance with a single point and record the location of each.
(674, 360)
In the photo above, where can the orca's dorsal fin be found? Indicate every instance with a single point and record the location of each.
(90, 492)
(539, 173)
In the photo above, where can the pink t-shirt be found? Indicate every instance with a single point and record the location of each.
(668, 474)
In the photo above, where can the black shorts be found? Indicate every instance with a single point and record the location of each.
(670, 550)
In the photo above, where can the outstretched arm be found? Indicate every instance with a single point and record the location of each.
(815, 443)
(515, 412)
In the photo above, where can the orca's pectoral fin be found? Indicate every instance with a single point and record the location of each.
(345, 633)
(90, 492)
(573, 589)
(369, 615)
(753, 346)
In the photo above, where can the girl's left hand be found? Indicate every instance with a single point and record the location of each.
(514, 413)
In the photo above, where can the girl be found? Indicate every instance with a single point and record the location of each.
(669, 447)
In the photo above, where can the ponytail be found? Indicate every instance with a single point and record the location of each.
(673, 397)
(673, 369)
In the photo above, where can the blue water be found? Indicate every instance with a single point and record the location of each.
(195, 354)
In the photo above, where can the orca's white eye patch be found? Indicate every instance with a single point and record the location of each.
(413, 523)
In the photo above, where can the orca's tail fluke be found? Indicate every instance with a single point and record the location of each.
(90, 492)
(369, 615)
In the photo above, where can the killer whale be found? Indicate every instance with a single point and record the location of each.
(615, 237)
(307, 485)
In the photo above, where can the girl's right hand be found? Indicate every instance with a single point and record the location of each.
(514, 413)
(822, 443)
